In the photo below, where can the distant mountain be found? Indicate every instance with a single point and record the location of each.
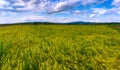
(81, 22)
(69, 23)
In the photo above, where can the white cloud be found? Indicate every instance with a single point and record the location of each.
(118, 12)
(58, 6)
(98, 12)
(19, 3)
(37, 18)
(48, 19)
(77, 12)
(63, 5)
(102, 11)
(68, 4)
(25, 5)
(4, 20)
(85, 2)
(45, 5)
(114, 10)
(33, 18)
(116, 3)
(3, 3)
(92, 15)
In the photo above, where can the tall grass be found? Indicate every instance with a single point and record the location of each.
(59, 47)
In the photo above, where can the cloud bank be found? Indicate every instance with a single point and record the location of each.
(59, 10)
(47, 6)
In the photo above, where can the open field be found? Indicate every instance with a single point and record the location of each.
(60, 47)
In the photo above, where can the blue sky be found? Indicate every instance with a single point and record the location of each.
(13, 11)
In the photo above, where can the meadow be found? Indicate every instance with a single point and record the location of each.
(60, 47)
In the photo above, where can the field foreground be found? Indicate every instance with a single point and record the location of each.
(60, 47)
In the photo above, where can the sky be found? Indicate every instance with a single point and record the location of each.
(62, 11)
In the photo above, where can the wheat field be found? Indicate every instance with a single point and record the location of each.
(60, 47)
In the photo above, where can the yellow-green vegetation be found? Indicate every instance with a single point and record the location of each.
(60, 47)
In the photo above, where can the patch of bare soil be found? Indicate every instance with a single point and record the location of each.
(118, 27)
(2, 26)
